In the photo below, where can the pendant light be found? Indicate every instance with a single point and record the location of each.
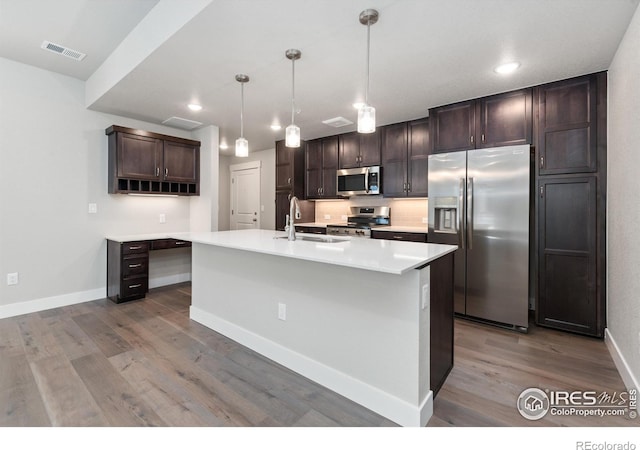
(292, 133)
(242, 145)
(366, 112)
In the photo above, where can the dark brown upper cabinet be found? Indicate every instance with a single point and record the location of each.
(567, 131)
(321, 167)
(503, 119)
(453, 127)
(152, 163)
(290, 170)
(359, 149)
(405, 153)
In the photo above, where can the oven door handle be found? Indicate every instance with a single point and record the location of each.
(366, 180)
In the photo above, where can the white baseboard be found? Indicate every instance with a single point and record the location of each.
(628, 377)
(41, 304)
(391, 407)
(169, 280)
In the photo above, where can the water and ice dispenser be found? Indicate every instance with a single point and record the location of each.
(446, 214)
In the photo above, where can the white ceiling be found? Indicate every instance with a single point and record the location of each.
(424, 53)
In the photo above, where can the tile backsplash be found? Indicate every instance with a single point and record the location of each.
(408, 213)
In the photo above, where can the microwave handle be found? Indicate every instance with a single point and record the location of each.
(366, 180)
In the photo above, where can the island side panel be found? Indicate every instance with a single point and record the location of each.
(441, 327)
(352, 330)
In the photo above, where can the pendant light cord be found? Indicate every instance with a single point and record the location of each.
(366, 92)
(242, 109)
(293, 87)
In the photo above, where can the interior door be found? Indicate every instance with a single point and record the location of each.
(245, 199)
(498, 234)
(447, 194)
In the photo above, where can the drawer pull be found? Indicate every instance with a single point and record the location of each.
(135, 247)
(180, 243)
(132, 286)
(398, 237)
(133, 266)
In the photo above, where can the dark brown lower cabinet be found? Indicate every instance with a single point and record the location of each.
(441, 323)
(569, 297)
(128, 266)
(399, 236)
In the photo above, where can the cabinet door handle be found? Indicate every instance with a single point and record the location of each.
(322, 190)
(483, 138)
(133, 266)
(408, 187)
(132, 286)
(541, 162)
(135, 247)
(541, 191)
(166, 171)
(404, 186)
(472, 138)
(157, 171)
(288, 180)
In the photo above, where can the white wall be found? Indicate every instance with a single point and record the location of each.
(204, 207)
(623, 293)
(267, 187)
(53, 162)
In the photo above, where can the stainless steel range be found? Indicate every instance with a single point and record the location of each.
(362, 220)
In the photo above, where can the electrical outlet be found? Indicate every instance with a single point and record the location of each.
(163, 218)
(425, 296)
(12, 278)
(93, 208)
(282, 311)
(327, 216)
(343, 217)
(425, 220)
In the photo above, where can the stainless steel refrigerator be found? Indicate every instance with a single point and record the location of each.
(479, 200)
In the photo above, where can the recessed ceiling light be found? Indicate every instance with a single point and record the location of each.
(507, 68)
(276, 127)
(223, 146)
(194, 107)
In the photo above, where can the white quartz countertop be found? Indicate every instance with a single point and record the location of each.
(368, 254)
(140, 237)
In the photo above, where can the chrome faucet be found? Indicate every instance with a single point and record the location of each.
(294, 213)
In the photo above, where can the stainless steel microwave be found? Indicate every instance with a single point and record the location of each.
(359, 181)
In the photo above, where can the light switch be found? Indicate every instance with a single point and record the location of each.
(93, 208)
(163, 218)
(12, 278)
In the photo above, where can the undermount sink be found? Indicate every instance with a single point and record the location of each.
(323, 239)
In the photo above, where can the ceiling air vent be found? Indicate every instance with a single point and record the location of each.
(179, 122)
(337, 122)
(62, 50)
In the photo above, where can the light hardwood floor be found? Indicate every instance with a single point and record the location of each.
(146, 363)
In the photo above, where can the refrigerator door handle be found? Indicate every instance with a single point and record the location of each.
(470, 214)
(461, 236)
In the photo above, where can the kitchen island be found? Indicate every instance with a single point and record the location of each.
(354, 315)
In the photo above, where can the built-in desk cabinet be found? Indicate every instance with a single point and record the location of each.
(128, 266)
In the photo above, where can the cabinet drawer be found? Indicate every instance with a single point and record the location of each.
(399, 236)
(133, 287)
(311, 230)
(134, 266)
(161, 244)
(134, 247)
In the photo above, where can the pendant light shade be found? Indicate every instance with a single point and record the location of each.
(242, 145)
(292, 136)
(366, 112)
(292, 133)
